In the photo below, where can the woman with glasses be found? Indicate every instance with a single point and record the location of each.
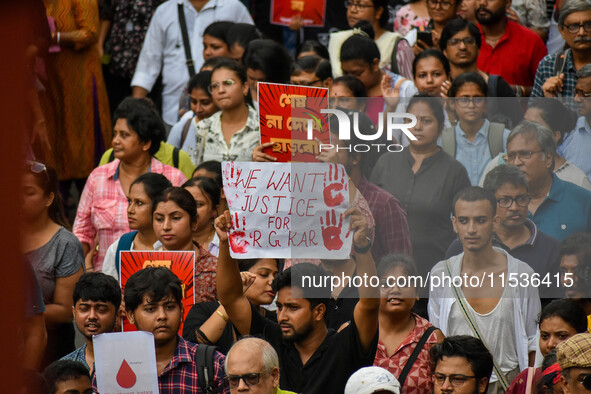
(232, 133)
(476, 138)
(400, 328)
(559, 320)
(440, 12)
(53, 252)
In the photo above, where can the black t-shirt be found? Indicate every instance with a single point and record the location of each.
(329, 368)
(201, 312)
(341, 310)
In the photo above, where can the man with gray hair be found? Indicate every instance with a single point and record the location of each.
(557, 73)
(513, 231)
(557, 207)
(577, 144)
(252, 366)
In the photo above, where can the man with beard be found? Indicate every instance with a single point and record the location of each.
(513, 231)
(464, 303)
(574, 24)
(97, 298)
(461, 365)
(313, 358)
(508, 49)
(577, 144)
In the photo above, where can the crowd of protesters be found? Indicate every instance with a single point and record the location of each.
(134, 105)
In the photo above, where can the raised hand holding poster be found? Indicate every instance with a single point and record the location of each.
(125, 362)
(181, 263)
(287, 210)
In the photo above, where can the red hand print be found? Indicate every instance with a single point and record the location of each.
(237, 236)
(331, 232)
(231, 176)
(335, 186)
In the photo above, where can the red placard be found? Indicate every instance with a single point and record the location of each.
(284, 111)
(181, 263)
(312, 12)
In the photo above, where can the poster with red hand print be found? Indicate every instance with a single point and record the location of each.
(287, 210)
(284, 114)
(181, 263)
(312, 12)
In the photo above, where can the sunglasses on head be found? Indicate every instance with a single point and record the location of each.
(36, 168)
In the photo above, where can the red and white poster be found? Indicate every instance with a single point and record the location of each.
(181, 263)
(286, 112)
(312, 12)
(288, 210)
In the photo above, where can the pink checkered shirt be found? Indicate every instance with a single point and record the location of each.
(102, 210)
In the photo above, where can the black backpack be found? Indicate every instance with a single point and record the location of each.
(206, 369)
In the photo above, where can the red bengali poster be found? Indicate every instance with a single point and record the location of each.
(181, 263)
(286, 113)
(312, 12)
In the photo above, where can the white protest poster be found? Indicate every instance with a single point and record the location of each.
(125, 362)
(288, 210)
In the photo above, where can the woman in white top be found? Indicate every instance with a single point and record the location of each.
(139, 214)
(232, 133)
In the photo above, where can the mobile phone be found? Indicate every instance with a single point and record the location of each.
(426, 37)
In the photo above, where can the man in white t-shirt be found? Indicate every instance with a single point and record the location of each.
(493, 288)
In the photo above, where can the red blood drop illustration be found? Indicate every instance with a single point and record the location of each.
(125, 377)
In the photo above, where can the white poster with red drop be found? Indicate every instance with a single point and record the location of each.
(125, 362)
(288, 210)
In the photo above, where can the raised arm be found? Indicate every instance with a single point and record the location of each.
(366, 310)
(229, 282)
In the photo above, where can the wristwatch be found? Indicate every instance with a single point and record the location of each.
(364, 249)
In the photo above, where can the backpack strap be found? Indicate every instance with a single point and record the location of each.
(124, 244)
(205, 368)
(495, 138)
(111, 156)
(415, 354)
(175, 157)
(492, 85)
(186, 43)
(560, 62)
(185, 132)
(448, 141)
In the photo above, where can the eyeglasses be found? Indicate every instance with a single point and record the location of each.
(456, 380)
(311, 83)
(359, 6)
(468, 41)
(585, 380)
(36, 168)
(465, 101)
(506, 202)
(251, 379)
(216, 85)
(522, 154)
(580, 93)
(576, 27)
(445, 5)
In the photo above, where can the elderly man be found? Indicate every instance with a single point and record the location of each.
(575, 27)
(577, 144)
(252, 366)
(557, 207)
(574, 358)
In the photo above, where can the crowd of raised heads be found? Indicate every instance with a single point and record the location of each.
(134, 106)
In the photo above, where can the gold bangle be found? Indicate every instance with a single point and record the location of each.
(226, 318)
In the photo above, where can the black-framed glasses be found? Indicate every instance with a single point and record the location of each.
(357, 5)
(306, 83)
(216, 85)
(456, 380)
(251, 379)
(522, 154)
(465, 101)
(506, 202)
(576, 27)
(445, 5)
(580, 93)
(468, 41)
(585, 380)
